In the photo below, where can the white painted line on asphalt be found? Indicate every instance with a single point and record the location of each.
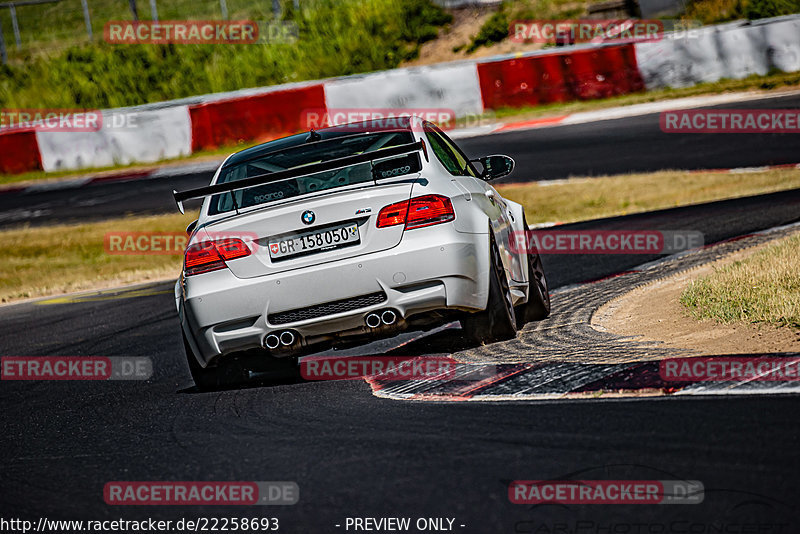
(650, 108)
(477, 131)
(61, 184)
(739, 388)
(191, 168)
(633, 110)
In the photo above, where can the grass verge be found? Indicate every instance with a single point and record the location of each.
(37, 176)
(53, 260)
(60, 259)
(763, 288)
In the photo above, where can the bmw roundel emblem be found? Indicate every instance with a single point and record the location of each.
(308, 217)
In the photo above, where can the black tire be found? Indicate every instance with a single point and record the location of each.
(498, 321)
(235, 370)
(538, 305)
(214, 376)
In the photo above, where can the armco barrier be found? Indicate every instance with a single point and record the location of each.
(140, 136)
(19, 152)
(260, 117)
(585, 74)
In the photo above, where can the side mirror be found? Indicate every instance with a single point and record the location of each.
(495, 166)
(191, 227)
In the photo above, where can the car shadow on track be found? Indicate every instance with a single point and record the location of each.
(438, 343)
(259, 380)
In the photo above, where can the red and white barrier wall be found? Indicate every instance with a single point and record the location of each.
(453, 86)
(19, 152)
(583, 74)
(173, 129)
(260, 117)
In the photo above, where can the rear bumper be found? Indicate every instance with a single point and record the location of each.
(435, 268)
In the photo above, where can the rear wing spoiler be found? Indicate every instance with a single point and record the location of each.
(333, 164)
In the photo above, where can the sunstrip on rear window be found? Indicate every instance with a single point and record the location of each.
(290, 173)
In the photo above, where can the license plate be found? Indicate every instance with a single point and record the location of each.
(313, 242)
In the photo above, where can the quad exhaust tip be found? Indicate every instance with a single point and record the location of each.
(272, 341)
(373, 320)
(385, 318)
(287, 338)
(388, 317)
(275, 340)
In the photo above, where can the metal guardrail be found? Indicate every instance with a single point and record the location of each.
(12, 8)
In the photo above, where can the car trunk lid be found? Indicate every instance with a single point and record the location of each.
(339, 211)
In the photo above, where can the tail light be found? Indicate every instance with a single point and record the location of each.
(207, 256)
(417, 212)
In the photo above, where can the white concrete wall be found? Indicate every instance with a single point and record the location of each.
(726, 51)
(452, 86)
(126, 137)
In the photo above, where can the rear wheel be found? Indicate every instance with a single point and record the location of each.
(538, 305)
(498, 321)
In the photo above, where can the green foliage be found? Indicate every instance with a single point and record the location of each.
(496, 28)
(336, 37)
(493, 30)
(718, 11)
(428, 18)
(760, 9)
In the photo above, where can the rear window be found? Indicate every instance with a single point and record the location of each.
(300, 155)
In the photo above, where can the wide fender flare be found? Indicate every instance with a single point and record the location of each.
(518, 228)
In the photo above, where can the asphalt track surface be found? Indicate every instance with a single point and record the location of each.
(634, 144)
(355, 455)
